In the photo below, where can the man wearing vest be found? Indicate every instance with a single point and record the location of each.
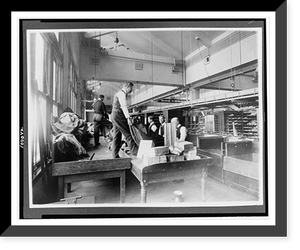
(181, 131)
(152, 127)
(121, 121)
(162, 122)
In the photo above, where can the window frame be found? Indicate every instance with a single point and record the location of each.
(50, 91)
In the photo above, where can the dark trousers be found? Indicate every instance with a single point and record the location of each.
(120, 126)
(100, 127)
(97, 128)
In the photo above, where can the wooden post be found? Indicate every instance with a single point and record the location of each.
(69, 187)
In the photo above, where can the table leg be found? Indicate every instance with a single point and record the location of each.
(122, 188)
(143, 192)
(69, 187)
(61, 187)
(203, 183)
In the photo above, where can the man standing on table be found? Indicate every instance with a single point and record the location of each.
(121, 121)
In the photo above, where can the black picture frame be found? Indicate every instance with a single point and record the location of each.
(280, 230)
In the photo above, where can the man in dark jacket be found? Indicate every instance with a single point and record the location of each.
(99, 118)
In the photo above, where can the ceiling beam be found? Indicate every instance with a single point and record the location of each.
(89, 34)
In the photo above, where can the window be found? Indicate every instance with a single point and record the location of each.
(44, 67)
(47, 61)
(56, 92)
(38, 61)
(55, 81)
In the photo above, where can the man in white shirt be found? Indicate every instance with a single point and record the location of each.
(181, 131)
(121, 121)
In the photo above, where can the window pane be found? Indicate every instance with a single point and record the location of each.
(43, 108)
(55, 110)
(59, 97)
(54, 81)
(57, 35)
(39, 61)
(35, 132)
(47, 69)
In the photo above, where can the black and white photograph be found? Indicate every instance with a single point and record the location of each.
(155, 116)
(147, 120)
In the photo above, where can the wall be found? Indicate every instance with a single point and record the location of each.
(65, 85)
(71, 55)
(116, 68)
(229, 57)
(243, 48)
(147, 91)
(120, 66)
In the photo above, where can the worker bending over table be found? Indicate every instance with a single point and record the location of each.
(121, 121)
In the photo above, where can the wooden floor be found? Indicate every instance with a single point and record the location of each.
(102, 151)
(108, 192)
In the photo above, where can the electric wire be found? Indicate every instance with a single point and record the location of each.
(232, 83)
(152, 63)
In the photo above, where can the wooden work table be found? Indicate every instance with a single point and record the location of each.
(169, 171)
(101, 167)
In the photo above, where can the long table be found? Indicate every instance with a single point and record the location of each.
(169, 171)
(101, 167)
